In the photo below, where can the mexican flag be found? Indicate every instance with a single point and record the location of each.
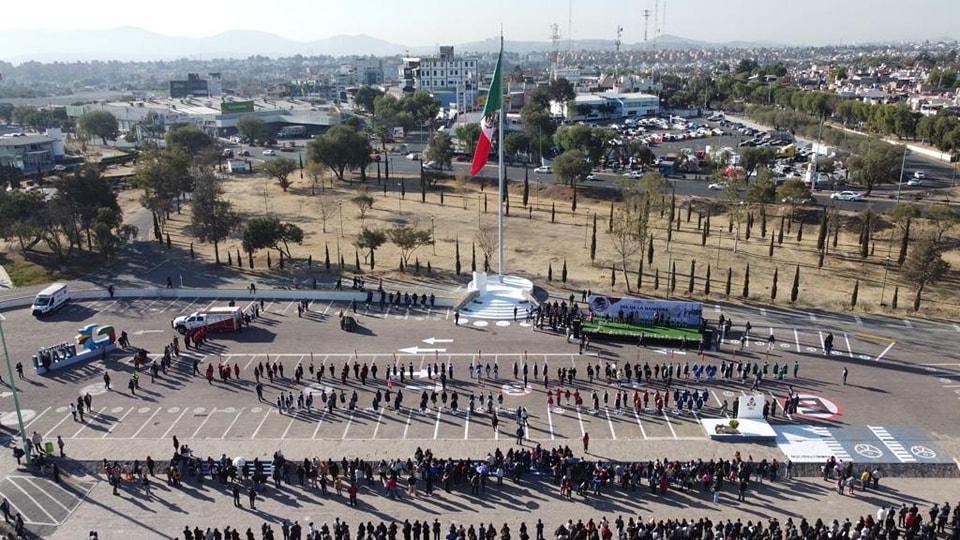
(488, 124)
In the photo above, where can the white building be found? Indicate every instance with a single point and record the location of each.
(607, 106)
(451, 79)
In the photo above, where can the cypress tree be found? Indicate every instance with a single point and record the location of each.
(703, 236)
(193, 255)
(229, 258)
(693, 269)
(593, 239)
(770, 249)
(563, 271)
(613, 275)
(526, 189)
(310, 261)
(856, 291)
(416, 266)
(281, 259)
(773, 288)
(763, 221)
(673, 277)
(822, 233)
(729, 281)
(706, 282)
(746, 283)
(749, 225)
(903, 244)
(800, 232)
(896, 293)
(795, 289)
(473, 256)
(640, 275)
(549, 272)
(373, 260)
(326, 256)
(356, 255)
(239, 263)
(610, 222)
(457, 256)
(650, 250)
(553, 212)
(820, 258)
(780, 237)
(656, 279)
(269, 261)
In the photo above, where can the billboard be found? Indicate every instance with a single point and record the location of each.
(232, 107)
(688, 314)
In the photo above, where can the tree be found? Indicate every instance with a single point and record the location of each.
(561, 90)
(944, 218)
(563, 271)
(364, 204)
(925, 265)
(752, 157)
(315, 172)
(570, 167)
(486, 239)
(440, 149)
(794, 193)
(212, 218)
(457, 257)
(592, 142)
(280, 170)
(515, 144)
(468, 135)
(693, 268)
(252, 128)
(761, 190)
(904, 240)
(369, 240)
(366, 96)
(795, 288)
(163, 175)
(593, 243)
(877, 162)
(746, 283)
(408, 239)
(339, 148)
(773, 287)
(628, 233)
(856, 292)
(84, 194)
(706, 282)
(100, 124)
(189, 137)
(269, 232)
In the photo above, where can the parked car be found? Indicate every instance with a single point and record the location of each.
(914, 182)
(592, 177)
(846, 196)
(269, 152)
(544, 169)
(413, 156)
(716, 186)
(919, 175)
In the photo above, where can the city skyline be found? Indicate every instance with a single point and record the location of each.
(821, 22)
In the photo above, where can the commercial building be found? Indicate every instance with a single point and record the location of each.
(193, 86)
(607, 106)
(452, 79)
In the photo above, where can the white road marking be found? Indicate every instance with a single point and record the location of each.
(145, 424)
(89, 420)
(203, 423)
(407, 427)
(235, 418)
(319, 423)
(885, 351)
(53, 520)
(550, 423)
(847, 339)
(613, 433)
(262, 420)
(669, 424)
(113, 425)
(796, 338)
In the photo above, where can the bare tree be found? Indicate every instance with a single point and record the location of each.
(461, 184)
(325, 206)
(486, 239)
(364, 204)
(628, 235)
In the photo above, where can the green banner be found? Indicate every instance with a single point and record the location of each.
(230, 107)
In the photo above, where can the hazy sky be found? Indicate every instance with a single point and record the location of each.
(432, 22)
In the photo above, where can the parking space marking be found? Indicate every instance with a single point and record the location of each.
(90, 419)
(145, 424)
(36, 502)
(323, 416)
(885, 351)
(849, 349)
(550, 423)
(669, 424)
(796, 338)
(204, 422)
(640, 423)
(613, 432)
(55, 426)
(113, 425)
(169, 429)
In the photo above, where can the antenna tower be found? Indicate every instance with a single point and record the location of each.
(617, 57)
(555, 54)
(646, 24)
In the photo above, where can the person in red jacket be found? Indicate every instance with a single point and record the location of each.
(586, 443)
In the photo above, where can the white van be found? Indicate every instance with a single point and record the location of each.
(51, 299)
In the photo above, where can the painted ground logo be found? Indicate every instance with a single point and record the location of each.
(816, 407)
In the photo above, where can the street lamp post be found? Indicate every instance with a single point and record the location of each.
(433, 235)
(720, 230)
(16, 398)
(883, 284)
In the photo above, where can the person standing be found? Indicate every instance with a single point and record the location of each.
(519, 435)
(845, 373)
(586, 443)
(73, 411)
(106, 380)
(252, 494)
(456, 319)
(60, 445)
(20, 370)
(236, 496)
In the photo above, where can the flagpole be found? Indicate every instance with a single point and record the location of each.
(500, 171)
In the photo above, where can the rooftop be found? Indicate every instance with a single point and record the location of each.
(25, 140)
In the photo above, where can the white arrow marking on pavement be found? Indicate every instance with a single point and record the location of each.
(142, 332)
(433, 340)
(418, 350)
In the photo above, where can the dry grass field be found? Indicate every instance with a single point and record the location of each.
(539, 237)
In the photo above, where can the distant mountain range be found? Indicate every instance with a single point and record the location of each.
(136, 44)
